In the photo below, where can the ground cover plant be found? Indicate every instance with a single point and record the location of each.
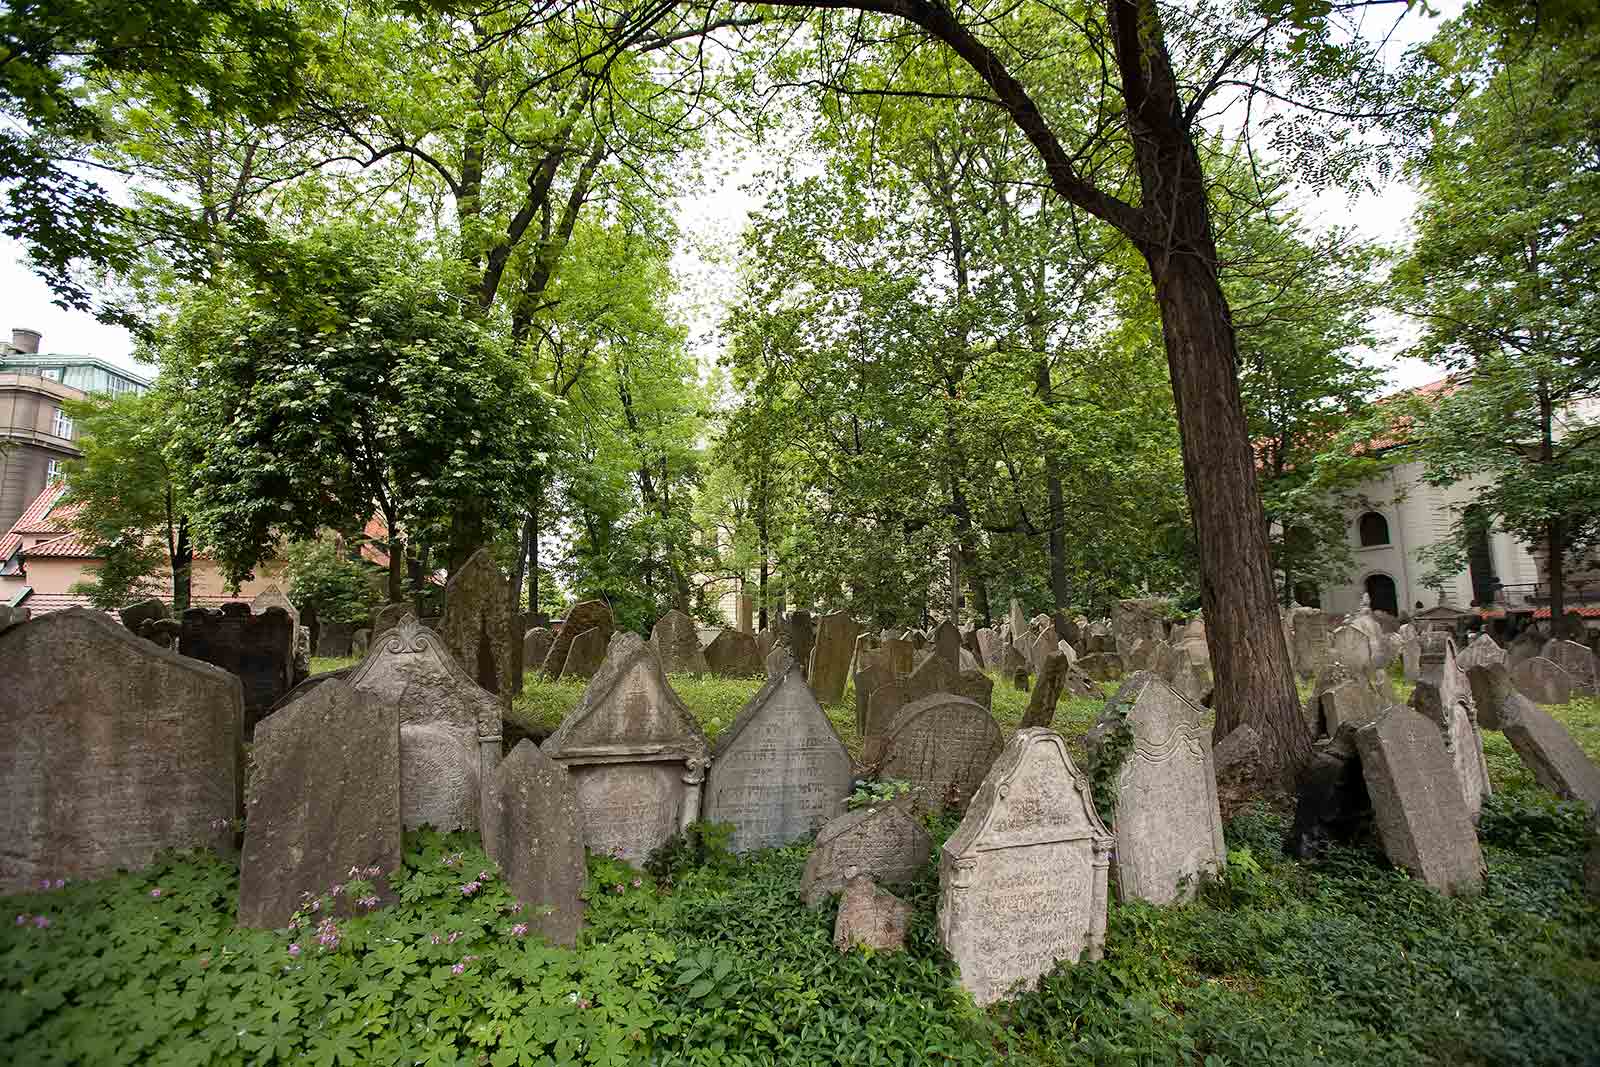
(710, 959)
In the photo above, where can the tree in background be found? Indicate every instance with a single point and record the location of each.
(320, 576)
(1501, 277)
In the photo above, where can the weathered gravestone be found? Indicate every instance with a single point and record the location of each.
(1525, 645)
(677, 645)
(1481, 652)
(477, 623)
(1044, 645)
(989, 648)
(1308, 629)
(389, 616)
(1542, 743)
(977, 687)
(802, 633)
(637, 756)
(1136, 620)
(536, 646)
(933, 675)
(883, 706)
(942, 745)
(111, 749)
(870, 917)
(589, 615)
(1446, 701)
(1352, 647)
(1341, 697)
(360, 641)
(450, 727)
(1151, 747)
(868, 680)
(324, 796)
(134, 615)
(734, 654)
(585, 654)
(1047, 692)
(1017, 620)
(336, 640)
(273, 597)
(1022, 881)
(1542, 681)
(532, 829)
(257, 648)
(1102, 666)
(1365, 621)
(830, 656)
(885, 842)
(1579, 663)
(946, 640)
(1432, 648)
(779, 771)
(1417, 802)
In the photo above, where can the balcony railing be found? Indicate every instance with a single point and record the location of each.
(1528, 596)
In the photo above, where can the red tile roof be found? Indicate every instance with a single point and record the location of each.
(35, 519)
(67, 546)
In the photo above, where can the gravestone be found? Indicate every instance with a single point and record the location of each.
(802, 633)
(1166, 819)
(969, 642)
(272, 597)
(536, 646)
(1482, 652)
(1135, 620)
(1352, 647)
(988, 648)
(977, 687)
(1044, 645)
(830, 656)
(1102, 666)
(324, 796)
(1018, 621)
(589, 615)
(134, 615)
(1525, 645)
(476, 625)
(779, 771)
(1019, 679)
(636, 755)
(677, 645)
(1309, 632)
(1012, 660)
(866, 682)
(1340, 697)
(1542, 681)
(336, 640)
(1433, 646)
(585, 654)
(1022, 881)
(360, 641)
(1365, 621)
(1066, 628)
(901, 654)
(111, 750)
(450, 727)
(260, 649)
(947, 644)
(1417, 803)
(870, 917)
(734, 654)
(1047, 693)
(531, 828)
(883, 706)
(933, 675)
(389, 616)
(884, 842)
(1446, 701)
(1542, 743)
(1411, 656)
(1579, 663)
(942, 745)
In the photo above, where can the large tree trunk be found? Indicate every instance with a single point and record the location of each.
(1554, 529)
(182, 569)
(1052, 483)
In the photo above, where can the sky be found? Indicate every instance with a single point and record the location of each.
(709, 221)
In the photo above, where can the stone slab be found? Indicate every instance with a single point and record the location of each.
(885, 842)
(533, 831)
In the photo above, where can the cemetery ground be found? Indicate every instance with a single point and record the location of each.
(704, 958)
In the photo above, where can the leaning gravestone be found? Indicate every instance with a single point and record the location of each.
(1044, 645)
(779, 771)
(677, 644)
(830, 656)
(885, 842)
(867, 681)
(1017, 620)
(883, 706)
(477, 623)
(260, 649)
(1447, 702)
(1152, 749)
(637, 756)
(1481, 652)
(587, 652)
(1309, 633)
(1417, 802)
(532, 829)
(589, 615)
(933, 675)
(1102, 666)
(536, 646)
(977, 687)
(1022, 881)
(988, 648)
(111, 750)
(1047, 693)
(1352, 647)
(1579, 663)
(450, 727)
(1542, 681)
(942, 745)
(324, 796)
(1542, 743)
(732, 654)
(1135, 620)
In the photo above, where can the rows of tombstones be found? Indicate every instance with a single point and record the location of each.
(1024, 880)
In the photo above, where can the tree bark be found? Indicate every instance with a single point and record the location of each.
(182, 569)
(1554, 529)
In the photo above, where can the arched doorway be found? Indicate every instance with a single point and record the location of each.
(1382, 593)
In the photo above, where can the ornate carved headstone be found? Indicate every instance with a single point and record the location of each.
(1417, 803)
(589, 615)
(111, 749)
(637, 756)
(733, 654)
(884, 842)
(943, 745)
(324, 796)
(477, 623)
(532, 829)
(677, 644)
(1022, 881)
(258, 648)
(450, 727)
(830, 656)
(779, 771)
(1166, 818)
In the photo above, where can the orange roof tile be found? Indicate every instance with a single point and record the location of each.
(36, 518)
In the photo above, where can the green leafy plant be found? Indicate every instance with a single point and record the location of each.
(700, 845)
(878, 791)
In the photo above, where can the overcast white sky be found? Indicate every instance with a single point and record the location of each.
(710, 221)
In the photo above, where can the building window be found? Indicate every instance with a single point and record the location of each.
(55, 471)
(1374, 530)
(1382, 594)
(62, 426)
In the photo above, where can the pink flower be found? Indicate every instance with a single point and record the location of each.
(155, 894)
(45, 884)
(470, 888)
(41, 921)
(368, 902)
(483, 876)
(434, 938)
(294, 949)
(61, 883)
(458, 968)
(373, 872)
(519, 929)
(585, 1004)
(452, 938)
(617, 888)
(355, 872)
(336, 890)
(637, 882)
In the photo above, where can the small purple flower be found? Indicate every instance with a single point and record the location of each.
(355, 872)
(61, 883)
(155, 894)
(519, 930)
(368, 902)
(617, 889)
(45, 884)
(316, 905)
(336, 890)
(637, 882)
(458, 968)
(41, 921)
(374, 871)
(471, 888)
(22, 920)
(294, 949)
(434, 938)
(452, 938)
(484, 876)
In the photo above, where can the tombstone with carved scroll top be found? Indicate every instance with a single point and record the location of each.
(636, 755)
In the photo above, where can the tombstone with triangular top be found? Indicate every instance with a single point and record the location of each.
(532, 829)
(947, 644)
(476, 625)
(678, 645)
(1022, 881)
(734, 654)
(636, 755)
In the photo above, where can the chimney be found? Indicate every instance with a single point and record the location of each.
(26, 341)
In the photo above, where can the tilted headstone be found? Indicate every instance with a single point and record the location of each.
(867, 681)
(1018, 621)
(1132, 620)
(677, 644)
(1365, 621)
(779, 771)
(111, 750)
(1043, 645)
(1047, 693)
(258, 648)
(1542, 743)
(764, 642)
(477, 623)
(870, 917)
(1411, 656)
(1102, 666)
(589, 615)
(1340, 697)
(1022, 881)
(1542, 681)
(1166, 818)
(637, 756)
(734, 654)
(977, 687)
(324, 796)
(532, 829)
(1417, 803)
(450, 727)
(989, 648)
(883, 706)
(1579, 663)
(585, 654)
(830, 656)
(1309, 632)
(885, 842)
(536, 646)
(933, 675)
(1481, 652)
(942, 745)
(1447, 702)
